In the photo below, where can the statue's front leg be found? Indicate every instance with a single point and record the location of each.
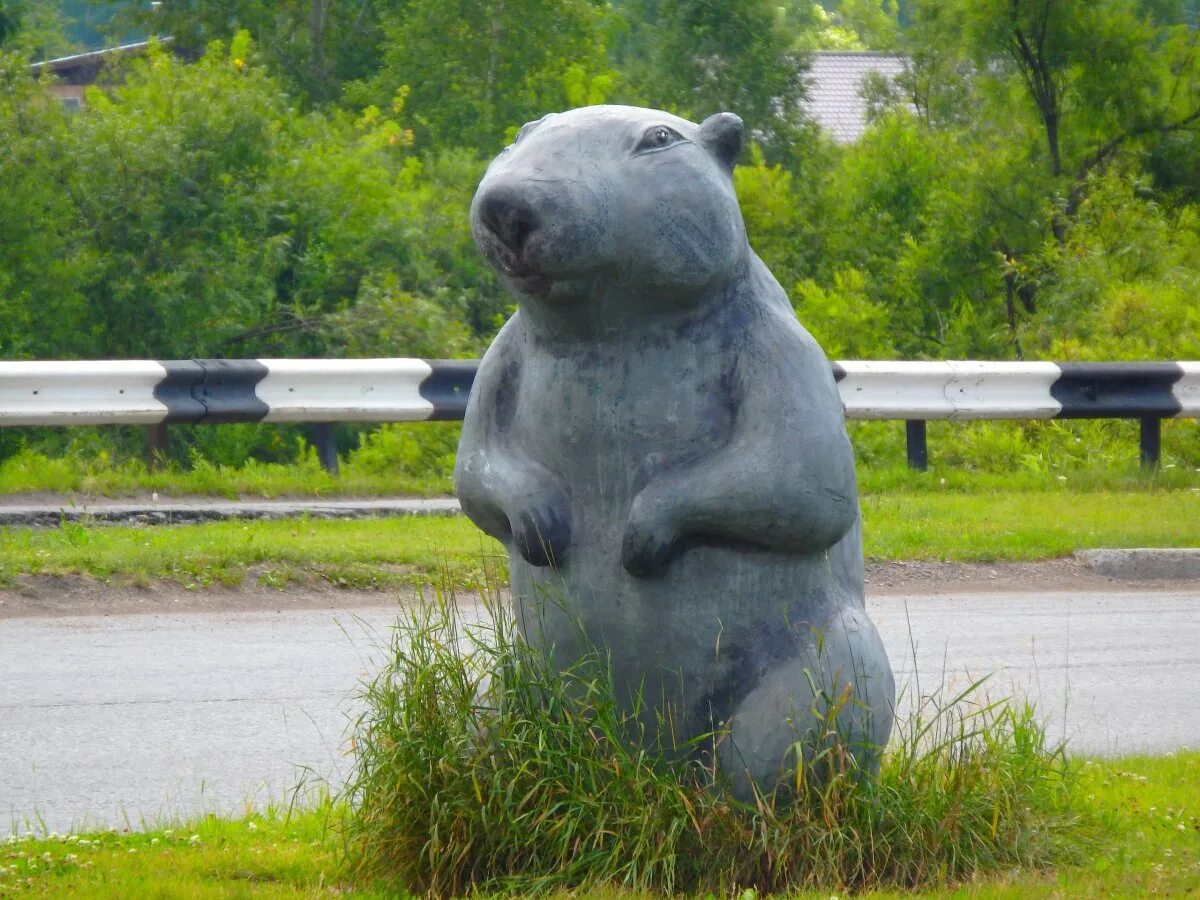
(517, 501)
(741, 495)
(653, 529)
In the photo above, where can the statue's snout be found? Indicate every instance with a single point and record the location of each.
(507, 217)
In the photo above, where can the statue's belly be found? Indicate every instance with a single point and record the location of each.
(609, 422)
(693, 639)
(702, 627)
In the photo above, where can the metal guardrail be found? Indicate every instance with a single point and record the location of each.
(322, 392)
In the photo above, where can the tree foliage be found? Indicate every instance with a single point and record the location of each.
(474, 70)
(293, 177)
(697, 57)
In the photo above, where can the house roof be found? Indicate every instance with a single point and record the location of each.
(835, 84)
(82, 68)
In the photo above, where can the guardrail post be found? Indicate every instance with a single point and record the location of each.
(918, 447)
(322, 438)
(1150, 440)
(157, 446)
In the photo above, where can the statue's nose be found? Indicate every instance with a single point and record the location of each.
(507, 215)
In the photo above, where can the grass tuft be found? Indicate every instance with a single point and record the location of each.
(479, 769)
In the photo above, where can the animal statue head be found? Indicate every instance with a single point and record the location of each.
(611, 200)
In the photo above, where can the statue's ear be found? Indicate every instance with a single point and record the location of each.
(721, 134)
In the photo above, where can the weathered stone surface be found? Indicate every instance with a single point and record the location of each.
(661, 446)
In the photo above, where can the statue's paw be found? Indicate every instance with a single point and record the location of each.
(542, 531)
(650, 539)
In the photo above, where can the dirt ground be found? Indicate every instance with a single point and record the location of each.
(44, 596)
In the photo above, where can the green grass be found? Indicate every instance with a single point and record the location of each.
(383, 553)
(1008, 525)
(31, 473)
(1143, 814)
(1140, 802)
(259, 855)
(480, 768)
(367, 553)
(416, 459)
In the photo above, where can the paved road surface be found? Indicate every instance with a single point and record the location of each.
(131, 719)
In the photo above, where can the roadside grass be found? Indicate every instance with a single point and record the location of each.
(1145, 808)
(483, 769)
(416, 459)
(363, 554)
(1007, 525)
(386, 553)
(34, 473)
(270, 854)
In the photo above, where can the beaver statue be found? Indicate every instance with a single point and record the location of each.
(660, 445)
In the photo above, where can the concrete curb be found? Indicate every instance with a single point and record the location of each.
(1143, 564)
(179, 512)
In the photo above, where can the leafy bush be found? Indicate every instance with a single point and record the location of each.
(415, 449)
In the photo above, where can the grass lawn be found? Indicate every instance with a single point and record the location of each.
(382, 553)
(23, 475)
(1147, 809)
(999, 525)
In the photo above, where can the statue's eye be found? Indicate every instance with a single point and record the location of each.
(657, 137)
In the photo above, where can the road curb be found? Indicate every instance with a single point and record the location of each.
(176, 513)
(1143, 564)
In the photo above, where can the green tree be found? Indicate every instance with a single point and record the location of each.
(476, 70)
(11, 12)
(849, 24)
(1100, 78)
(32, 30)
(43, 257)
(166, 177)
(1031, 102)
(314, 46)
(697, 57)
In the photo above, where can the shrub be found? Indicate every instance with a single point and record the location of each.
(419, 450)
(481, 769)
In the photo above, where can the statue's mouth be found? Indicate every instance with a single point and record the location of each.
(532, 283)
(514, 265)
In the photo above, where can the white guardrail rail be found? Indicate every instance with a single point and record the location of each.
(320, 391)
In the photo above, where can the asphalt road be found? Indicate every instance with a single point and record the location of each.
(140, 719)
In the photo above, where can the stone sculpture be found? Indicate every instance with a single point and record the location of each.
(661, 447)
